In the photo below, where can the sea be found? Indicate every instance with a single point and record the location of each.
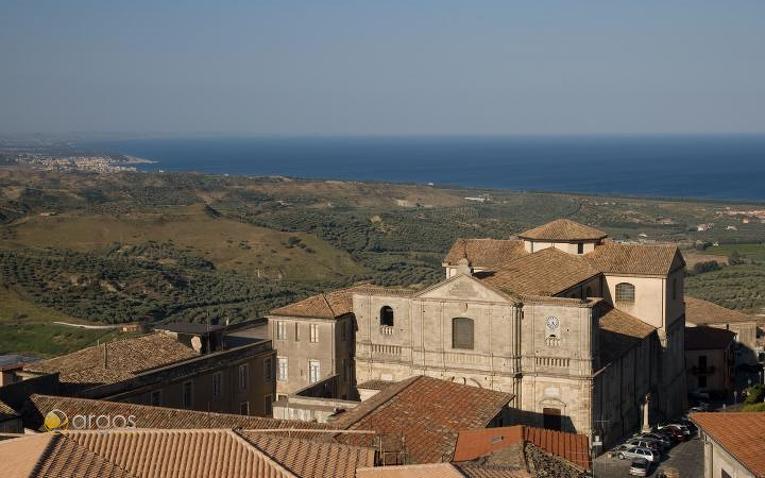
(712, 167)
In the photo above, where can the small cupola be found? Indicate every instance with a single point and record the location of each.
(564, 234)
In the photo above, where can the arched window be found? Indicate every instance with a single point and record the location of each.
(386, 316)
(625, 293)
(462, 333)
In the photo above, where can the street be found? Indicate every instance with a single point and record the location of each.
(687, 457)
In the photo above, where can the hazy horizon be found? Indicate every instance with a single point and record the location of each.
(447, 68)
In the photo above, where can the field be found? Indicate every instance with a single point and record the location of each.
(158, 247)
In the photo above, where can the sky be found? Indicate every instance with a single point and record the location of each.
(382, 67)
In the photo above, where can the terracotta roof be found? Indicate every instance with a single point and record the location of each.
(473, 444)
(142, 453)
(441, 470)
(707, 338)
(701, 312)
(742, 434)
(330, 305)
(311, 459)
(641, 259)
(475, 470)
(563, 230)
(67, 458)
(124, 359)
(619, 332)
(161, 417)
(547, 272)
(427, 412)
(485, 253)
(429, 470)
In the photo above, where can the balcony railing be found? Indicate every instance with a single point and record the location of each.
(386, 330)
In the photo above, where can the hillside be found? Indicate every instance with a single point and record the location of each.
(147, 246)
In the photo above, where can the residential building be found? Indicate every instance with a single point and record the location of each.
(314, 339)
(586, 334)
(710, 360)
(748, 329)
(10, 420)
(160, 369)
(734, 444)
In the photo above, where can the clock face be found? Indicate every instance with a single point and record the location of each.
(552, 322)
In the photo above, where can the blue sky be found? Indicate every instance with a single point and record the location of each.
(383, 67)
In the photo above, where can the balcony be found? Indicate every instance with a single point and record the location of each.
(386, 330)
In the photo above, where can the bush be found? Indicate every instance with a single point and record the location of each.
(755, 395)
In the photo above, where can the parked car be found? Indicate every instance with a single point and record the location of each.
(637, 452)
(665, 441)
(674, 432)
(679, 427)
(645, 443)
(640, 467)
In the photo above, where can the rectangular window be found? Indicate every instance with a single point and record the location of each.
(281, 330)
(580, 248)
(268, 405)
(297, 332)
(187, 394)
(244, 376)
(268, 367)
(244, 408)
(217, 384)
(314, 329)
(462, 333)
(156, 398)
(282, 371)
(314, 371)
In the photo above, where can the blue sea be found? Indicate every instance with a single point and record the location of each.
(705, 167)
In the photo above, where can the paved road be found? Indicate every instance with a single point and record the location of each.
(687, 457)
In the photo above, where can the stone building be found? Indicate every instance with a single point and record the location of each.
(748, 330)
(710, 360)
(586, 333)
(161, 369)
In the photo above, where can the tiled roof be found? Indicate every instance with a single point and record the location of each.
(429, 470)
(701, 312)
(485, 253)
(335, 304)
(311, 459)
(67, 458)
(475, 470)
(742, 434)
(547, 272)
(473, 444)
(641, 259)
(427, 412)
(707, 338)
(141, 453)
(161, 417)
(619, 332)
(442, 470)
(563, 230)
(6, 411)
(124, 359)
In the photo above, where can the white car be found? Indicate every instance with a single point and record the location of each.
(627, 451)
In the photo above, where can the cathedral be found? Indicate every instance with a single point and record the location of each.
(585, 332)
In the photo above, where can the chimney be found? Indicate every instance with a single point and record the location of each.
(463, 267)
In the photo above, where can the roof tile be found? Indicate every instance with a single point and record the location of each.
(742, 434)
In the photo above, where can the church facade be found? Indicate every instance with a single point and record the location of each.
(586, 333)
